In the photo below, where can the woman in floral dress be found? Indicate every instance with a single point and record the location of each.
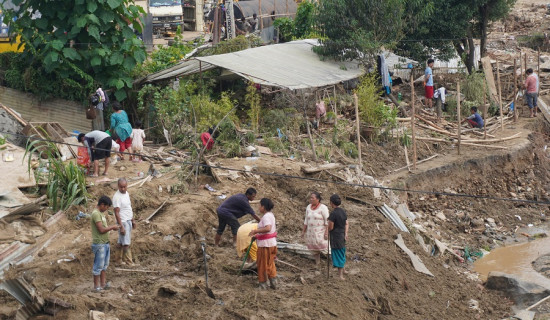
(315, 226)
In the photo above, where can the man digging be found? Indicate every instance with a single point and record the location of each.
(125, 219)
(231, 210)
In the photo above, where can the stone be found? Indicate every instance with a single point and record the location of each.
(441, 216)
(98, 315)
(491, 222)
(477, 222)
(523, 293)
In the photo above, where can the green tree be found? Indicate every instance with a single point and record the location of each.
(451, 26)
(358, 29)
(91, 38)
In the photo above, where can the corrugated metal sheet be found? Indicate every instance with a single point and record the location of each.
(291, 65)
(71, 115)
(392, 215)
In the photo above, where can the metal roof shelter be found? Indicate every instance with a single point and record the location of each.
(292, 65)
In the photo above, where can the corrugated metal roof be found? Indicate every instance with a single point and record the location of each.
(292, 65)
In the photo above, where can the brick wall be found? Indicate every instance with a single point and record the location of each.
(71, 115)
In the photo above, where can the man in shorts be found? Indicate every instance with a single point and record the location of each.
(99, 146)
(231, 210)
(429, 83)
(100, 243)
(531, 91)
(125, 219)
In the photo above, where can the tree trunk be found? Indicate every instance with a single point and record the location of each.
(472, 52)
(483, 25)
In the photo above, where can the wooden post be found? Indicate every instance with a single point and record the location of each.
(516, 110)
(525, 61)
(260, 14)
(458, 113)
(357, 122)
(335, 106)
(485, 109)
(500, 98)
(413, 116)
(538, 66)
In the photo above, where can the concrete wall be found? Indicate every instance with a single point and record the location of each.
(71, 115)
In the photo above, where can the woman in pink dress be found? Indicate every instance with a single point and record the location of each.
(315, 226)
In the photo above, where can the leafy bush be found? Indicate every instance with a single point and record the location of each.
(236, 44)
(21, 74)
(473, 88)
(66, 181)
(229, 139)
(372, 109)
(299, 28)
(285, 25)
(252, 99)
(349, 148)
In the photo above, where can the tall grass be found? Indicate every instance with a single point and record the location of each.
(66, 181)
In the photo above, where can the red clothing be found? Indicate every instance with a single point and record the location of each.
(124, 144)
(207, 140)
(429, 92)
(266, 263)
(531, 84)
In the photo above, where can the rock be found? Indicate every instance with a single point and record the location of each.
(473, 304)
(477, 222)
(491, 222)
(98, 315)
(440, 216)
(523, 293)
(513, 195)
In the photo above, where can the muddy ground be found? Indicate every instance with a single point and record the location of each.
(382, 284)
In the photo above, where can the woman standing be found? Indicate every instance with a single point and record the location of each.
(122, 127)
(315, 226)
(266, 237)
(338, 227)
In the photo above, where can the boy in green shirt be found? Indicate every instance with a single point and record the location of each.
(100, 243)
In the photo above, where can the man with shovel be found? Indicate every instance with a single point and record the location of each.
(231, 210)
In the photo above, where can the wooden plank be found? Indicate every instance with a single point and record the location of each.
(488, 70)
(155, 212)
(323, 167)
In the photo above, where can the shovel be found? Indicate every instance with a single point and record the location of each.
(208, 290)
(246, 255)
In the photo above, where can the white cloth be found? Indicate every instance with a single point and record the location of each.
(138, 135)
(440, 93)
(267, 220)
(537, 77)
(122, 201)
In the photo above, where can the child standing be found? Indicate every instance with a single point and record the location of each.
(138, 135)
(100, 243)
(266, 238)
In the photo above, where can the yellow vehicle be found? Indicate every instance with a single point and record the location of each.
(6, 37)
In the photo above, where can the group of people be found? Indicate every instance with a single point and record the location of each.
(245, 27)
(259, 240)
(531, 87)
(125, 223)
(100, 143)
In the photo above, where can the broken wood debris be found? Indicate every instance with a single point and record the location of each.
(328, 166)
(156, 211)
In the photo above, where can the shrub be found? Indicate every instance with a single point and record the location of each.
(372, 109)
(473, 88)
(252, 99)
(66, 181)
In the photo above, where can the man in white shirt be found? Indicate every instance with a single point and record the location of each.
(125, 219)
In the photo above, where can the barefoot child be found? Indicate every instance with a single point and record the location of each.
(100, 243)
(266, 238)
(138, 135)
(338, 227)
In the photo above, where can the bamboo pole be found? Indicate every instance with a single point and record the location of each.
(458, 113)
(500, 98)
(516, 111)
(357, 122)
(538, 65)
(525, 62)
(335, 106)
(412, 121)
(260, 14)
(485, 109)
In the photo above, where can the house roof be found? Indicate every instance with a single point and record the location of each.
(292, 65)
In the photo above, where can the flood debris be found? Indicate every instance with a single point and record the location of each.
(416, 262)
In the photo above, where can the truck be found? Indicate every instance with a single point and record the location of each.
(168, 15)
